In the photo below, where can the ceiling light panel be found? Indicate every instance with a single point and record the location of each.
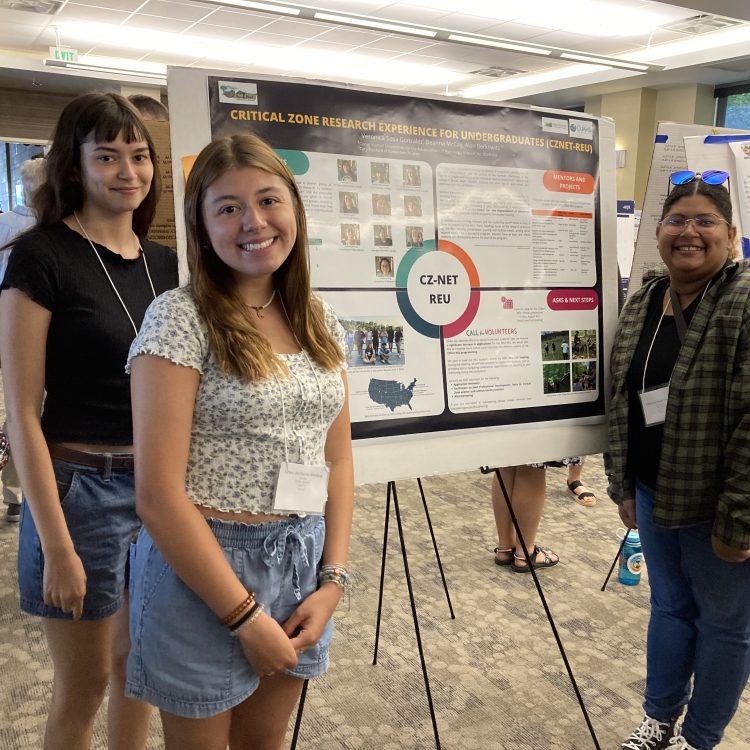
(264, 7)
(284, 58)
(586, 17)
(372, 23)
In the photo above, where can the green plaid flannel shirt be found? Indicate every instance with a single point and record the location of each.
(704, 472)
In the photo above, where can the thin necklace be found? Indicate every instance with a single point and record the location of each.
(112, 283)
(258, 308)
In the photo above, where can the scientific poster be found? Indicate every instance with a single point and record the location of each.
(458, 243)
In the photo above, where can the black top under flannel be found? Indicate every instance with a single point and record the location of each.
(704, 471)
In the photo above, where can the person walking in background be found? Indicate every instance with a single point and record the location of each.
(74, 293)
(679, 469)
(243, 465)
(13, 223)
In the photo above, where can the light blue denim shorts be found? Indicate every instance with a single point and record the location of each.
(99, 510)
(182, 659)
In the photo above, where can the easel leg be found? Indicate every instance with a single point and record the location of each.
(298, 720)
(435, 547)
(414, 616)
(391, 485)
(545, 605)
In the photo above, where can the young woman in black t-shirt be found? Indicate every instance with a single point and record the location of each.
(74, 294)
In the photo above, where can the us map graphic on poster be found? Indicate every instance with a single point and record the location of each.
(457, 242)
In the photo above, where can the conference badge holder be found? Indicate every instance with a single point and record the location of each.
(654, 404)
(301, 489)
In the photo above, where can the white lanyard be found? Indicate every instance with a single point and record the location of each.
(301, 488)
(112, 283)
(302, 392)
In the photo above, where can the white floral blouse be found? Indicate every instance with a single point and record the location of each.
(238, 439)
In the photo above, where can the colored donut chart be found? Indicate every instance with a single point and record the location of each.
(416, 320)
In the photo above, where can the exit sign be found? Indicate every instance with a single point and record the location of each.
(65, 54)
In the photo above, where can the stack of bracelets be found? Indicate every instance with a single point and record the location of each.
(243, 615)
(337, 574)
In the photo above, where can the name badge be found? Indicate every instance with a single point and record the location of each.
(301, 489)
(654, 404)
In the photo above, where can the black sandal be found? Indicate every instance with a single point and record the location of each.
(524, 567)
(509, 561)
(585, 498)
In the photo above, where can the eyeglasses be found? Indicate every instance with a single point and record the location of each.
(703, 223)
(710, 177)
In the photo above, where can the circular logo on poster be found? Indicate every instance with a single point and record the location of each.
(438, 289)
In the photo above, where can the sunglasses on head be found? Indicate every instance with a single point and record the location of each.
(710, 177)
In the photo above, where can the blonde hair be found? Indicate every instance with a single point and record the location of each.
(238, 346)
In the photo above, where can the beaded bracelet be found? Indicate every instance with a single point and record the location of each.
(239, 609)
(255, 612)
(337, 574)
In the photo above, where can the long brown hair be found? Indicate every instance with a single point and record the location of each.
(236, 343)
(105, 116)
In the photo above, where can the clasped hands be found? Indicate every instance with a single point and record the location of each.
(271, 647)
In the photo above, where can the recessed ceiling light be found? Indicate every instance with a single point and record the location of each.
(371, 23)
(499, 44)
(609, 61)
(251, 5)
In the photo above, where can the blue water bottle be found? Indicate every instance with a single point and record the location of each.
(631, 560)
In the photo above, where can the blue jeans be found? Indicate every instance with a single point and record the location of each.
(699, 627)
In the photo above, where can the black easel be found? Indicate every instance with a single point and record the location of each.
(527, 557)
(392, 486)
(391, 493)
(300, 710)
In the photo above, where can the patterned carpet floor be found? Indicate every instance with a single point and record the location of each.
(497, 677)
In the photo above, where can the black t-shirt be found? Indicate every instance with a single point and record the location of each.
(644, 443)
(88, 392)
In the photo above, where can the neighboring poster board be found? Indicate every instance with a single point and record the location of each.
(491, 225)
(163, 227)
(625, 236)
(668, 156)
(715, 152)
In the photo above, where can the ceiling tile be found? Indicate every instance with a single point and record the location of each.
(292, 28)
(270, 40)
(154, 23)
(182, 11)
(350, 36)
(398, 43)
(218, 32)
(320, 44)
(236, 20)
(90, 14)
(103, 50)
(24, 35)
(24, 18)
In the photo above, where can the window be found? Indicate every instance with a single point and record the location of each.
(12, 155)
(733, 106)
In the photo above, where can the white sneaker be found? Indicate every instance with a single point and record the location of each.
(650, 735)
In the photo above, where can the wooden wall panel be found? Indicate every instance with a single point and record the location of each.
(29, 115)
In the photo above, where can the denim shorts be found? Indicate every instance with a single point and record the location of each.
(182, 659)
(99, 510)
